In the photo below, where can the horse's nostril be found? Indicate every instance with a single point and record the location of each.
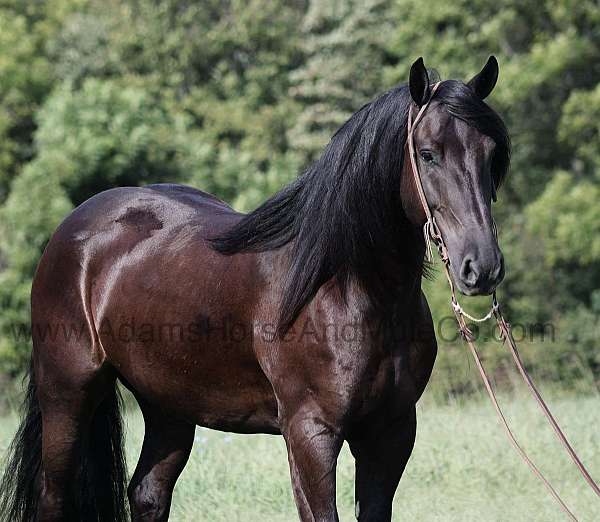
(498, 275)
(477, 277)
(468, 272)
(496, 272)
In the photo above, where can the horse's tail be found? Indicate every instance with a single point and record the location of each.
(19, 484)
(103, 470)
(101, 478)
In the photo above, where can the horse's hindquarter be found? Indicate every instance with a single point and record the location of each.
(171, 315)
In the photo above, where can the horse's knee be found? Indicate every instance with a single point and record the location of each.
(55, 501)
(50, 508)
(149, 501)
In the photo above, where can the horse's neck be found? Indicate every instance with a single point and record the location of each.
(398, 275)
(403, 268)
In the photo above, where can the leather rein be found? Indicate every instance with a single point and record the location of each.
(433, 234)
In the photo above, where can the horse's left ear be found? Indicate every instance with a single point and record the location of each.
(418, 83)
(484, 82)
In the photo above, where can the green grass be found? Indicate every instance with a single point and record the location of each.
(463, 467)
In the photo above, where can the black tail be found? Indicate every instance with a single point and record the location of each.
(20, 481)
(101, 479)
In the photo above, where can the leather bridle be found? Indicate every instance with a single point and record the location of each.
(433, 234)
(431, 231)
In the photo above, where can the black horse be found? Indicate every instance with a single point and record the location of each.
(303, 318)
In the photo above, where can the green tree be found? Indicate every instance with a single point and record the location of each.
(35, 207)
(235, 97)
(26, 75)
(108, 134)
(344, 44)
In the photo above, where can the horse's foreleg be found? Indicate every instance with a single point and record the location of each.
(381, 455)
(165, 451)
(313, 447)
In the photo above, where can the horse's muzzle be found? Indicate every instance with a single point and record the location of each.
(480, 275)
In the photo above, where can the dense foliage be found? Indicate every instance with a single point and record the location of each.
(235, 97)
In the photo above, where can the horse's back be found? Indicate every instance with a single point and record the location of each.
(152, 207)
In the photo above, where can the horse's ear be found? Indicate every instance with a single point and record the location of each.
(419, 82)
(484, 82)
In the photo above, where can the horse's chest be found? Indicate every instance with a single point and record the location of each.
(381, 379)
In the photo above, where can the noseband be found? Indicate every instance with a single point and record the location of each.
(432, 233)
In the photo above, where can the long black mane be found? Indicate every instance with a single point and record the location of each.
(344, 213)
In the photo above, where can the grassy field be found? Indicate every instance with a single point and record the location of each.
(463, 468)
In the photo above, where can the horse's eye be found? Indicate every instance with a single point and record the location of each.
(427, 156)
